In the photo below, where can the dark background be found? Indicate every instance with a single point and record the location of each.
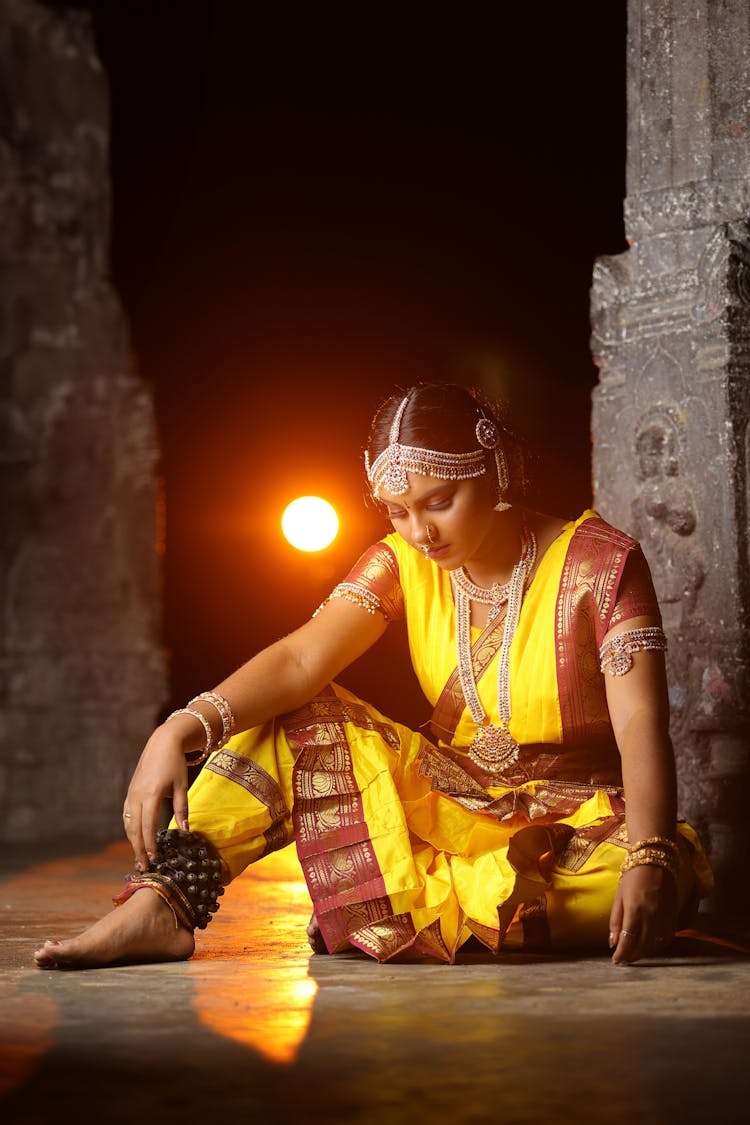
(313, 205)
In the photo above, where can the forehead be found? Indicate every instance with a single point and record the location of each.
(420, 488)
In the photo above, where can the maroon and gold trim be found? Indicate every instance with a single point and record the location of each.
(459, 778)
(334, 846)
(591, 573)
(590, 600)
(586, 840)
(535, 924)
(451, 703)
(258, 782)
(377, 572)
(449, 775)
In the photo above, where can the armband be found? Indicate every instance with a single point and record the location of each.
(616, 654)
(357, 595)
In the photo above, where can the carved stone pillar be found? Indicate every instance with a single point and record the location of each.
(82, 674)
(671, 337)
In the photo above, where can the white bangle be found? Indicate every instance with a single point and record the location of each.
(195, 757)
(225, 714)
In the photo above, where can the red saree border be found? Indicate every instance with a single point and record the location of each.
(593, 567)
(334, 847)
(451, 703)
(258, 782)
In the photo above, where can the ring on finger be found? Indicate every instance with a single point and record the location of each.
(627, 933)
(127, 815)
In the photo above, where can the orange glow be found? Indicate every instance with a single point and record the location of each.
(266, 1001)
(29, 1014)
(29, 1018)
(310, 523)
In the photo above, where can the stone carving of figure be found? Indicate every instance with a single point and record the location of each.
(664, 516)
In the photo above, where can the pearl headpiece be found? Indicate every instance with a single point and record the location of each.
(389, 468)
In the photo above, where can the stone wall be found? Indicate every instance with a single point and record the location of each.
(82, 675)
(671, 336)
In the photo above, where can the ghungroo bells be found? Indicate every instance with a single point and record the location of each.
(186, 875)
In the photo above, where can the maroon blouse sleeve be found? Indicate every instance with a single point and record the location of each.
(373, 583)
(636, 596)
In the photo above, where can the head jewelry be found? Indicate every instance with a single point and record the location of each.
(389, 468)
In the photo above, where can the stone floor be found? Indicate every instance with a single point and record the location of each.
(256, 1028)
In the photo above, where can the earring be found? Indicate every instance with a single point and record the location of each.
(488, 437)
(502, 480)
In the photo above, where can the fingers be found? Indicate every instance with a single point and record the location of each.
(636, 939)
(643, 916)
(615, 920)
(131, 818)
(150, 820)
(161, 773)
(629, 946)
(180, 807)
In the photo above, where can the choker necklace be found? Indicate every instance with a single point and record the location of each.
(493, 747)
(495, 596)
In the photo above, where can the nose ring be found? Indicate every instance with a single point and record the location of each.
(430, 533)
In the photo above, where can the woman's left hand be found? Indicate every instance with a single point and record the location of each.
(644, 914)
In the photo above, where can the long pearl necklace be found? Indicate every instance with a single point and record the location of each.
(493, 747)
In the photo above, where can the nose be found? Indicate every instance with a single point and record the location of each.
(425, 535)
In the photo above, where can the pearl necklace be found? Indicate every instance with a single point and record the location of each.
(493, 747)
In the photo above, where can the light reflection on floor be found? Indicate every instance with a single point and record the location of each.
(267, 1002)
(263, 1002)
(25, 1033)
(74, 886)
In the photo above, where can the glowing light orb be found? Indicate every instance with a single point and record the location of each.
(310, 523)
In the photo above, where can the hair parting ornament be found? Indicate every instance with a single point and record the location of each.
(389, 468)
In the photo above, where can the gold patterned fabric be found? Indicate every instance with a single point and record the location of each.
(406, 844)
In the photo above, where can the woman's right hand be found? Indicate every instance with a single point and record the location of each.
(161, 772)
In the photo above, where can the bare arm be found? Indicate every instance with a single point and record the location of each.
(278, 679)
(646, 900)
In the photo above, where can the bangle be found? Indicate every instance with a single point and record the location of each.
(225, 714)
(616, 654)
(196, 757)
(656, 841)
(650, 857)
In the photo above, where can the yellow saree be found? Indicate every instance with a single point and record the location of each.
(408, 844)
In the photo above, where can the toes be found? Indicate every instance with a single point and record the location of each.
(316, 942)
(47, 955)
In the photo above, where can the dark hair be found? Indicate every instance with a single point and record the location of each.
(444, 416)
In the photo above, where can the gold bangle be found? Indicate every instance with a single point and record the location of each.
(644, 859)
(650, 853)
(656, 841)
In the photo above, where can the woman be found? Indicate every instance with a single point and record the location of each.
(538, 812)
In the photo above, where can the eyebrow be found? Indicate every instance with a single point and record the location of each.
(422, 499)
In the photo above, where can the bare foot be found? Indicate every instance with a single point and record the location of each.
(314, 936)
(142, 929)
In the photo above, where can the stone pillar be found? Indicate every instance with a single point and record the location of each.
(671, 338)
(82, 674)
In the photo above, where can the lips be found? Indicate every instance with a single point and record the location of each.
(437, 552)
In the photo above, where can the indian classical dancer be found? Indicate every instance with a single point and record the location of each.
(536, 811)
